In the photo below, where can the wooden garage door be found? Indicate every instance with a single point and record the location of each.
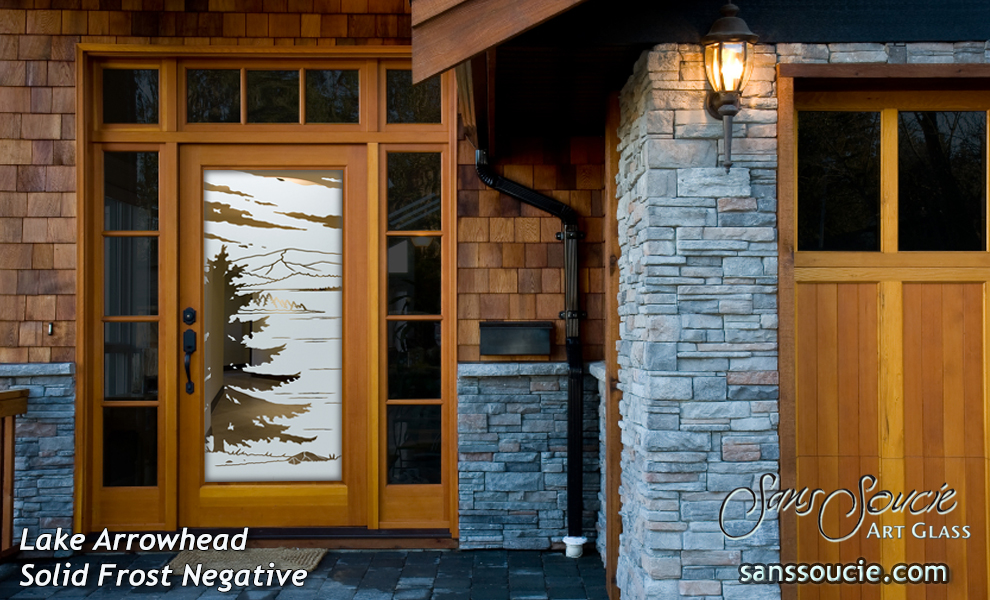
(889, 305)
(891, 384)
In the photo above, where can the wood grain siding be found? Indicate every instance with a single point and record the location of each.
(38, 126)
(837, 420)
(509, 262)
(944, 426)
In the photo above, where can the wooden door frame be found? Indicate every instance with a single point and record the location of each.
(169, 134)
(824, 76)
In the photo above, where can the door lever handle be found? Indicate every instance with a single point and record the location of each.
(189, 346)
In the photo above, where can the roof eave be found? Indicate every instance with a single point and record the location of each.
(446, 33)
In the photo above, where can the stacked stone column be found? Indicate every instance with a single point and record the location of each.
(698, 308)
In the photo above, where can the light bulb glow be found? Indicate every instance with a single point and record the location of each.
(728, 65)
(732, 67)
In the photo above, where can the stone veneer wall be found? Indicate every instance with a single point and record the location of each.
(698, 303)
(512, 454)
(44, 446)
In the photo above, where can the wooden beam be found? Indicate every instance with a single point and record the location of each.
(613, 434)
(424, 10)
(489, 140)
(883, 71)
(471, 27)
(786, 224)
(12, 402)
(465, 101)
(7, 427)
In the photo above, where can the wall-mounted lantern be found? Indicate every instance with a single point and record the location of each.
(728, 65)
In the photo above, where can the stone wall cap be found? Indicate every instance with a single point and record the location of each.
(37, 369)
(597, 370)
(510, 369)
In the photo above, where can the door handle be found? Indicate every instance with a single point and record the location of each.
(189, 346)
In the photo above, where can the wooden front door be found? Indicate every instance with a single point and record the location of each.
(275, 386)
(890, 327)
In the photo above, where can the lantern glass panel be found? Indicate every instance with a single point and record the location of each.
(728, 65)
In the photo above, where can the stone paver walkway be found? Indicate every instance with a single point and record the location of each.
(354, 575)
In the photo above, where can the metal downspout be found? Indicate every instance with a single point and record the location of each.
(572, 316)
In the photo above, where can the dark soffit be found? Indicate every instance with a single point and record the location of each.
(648, 22)
(555, 78)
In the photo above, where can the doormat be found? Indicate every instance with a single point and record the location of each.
(251, 558)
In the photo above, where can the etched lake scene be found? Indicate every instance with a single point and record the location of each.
(273, 243)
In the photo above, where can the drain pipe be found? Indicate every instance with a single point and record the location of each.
(572, 316)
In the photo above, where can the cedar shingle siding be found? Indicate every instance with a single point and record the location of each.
(37, 124)
(510, 265)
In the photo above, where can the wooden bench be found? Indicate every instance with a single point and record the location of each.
(12, 403)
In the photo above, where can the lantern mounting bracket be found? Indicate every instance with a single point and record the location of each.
(719, 105)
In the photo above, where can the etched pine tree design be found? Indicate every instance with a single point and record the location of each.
(239, 416)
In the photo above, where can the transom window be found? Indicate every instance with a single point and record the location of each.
(223, 92)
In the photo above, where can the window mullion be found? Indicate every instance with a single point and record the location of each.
(888, 180)
(243, 95)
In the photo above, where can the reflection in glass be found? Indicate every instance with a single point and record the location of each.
(414, 276)
(272, 320)
(414, 191)
(839, 181)
(213, 96)
(130, 446)
(332, 96)
(413, 360)
(942, 180)
(273, 96)
(130, 361)
(413, 444)
(408, 103)
(130, 95)
(130, 191)
(130, 276)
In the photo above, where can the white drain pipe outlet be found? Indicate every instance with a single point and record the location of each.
(575, 546)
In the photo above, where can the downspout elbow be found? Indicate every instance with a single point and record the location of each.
(489, 177)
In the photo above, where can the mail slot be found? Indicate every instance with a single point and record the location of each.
(504, 338)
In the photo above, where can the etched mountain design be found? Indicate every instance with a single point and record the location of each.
(291, 269)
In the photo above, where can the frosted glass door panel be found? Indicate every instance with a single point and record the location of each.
(272, 325)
